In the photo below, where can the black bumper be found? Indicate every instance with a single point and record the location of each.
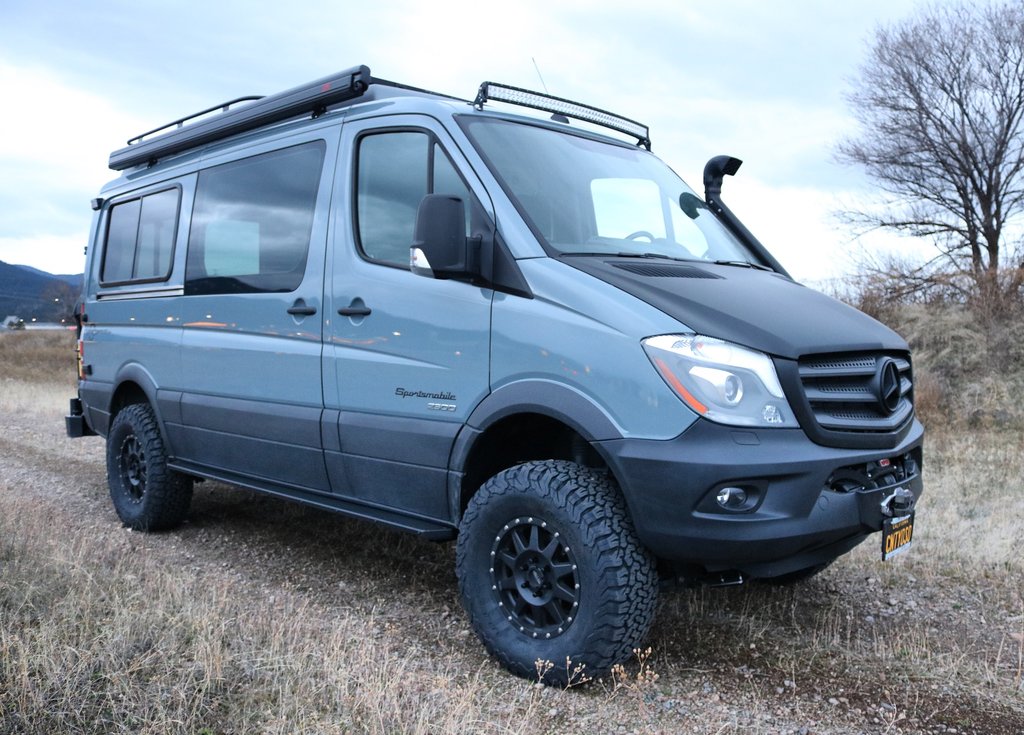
(75, 422)
(795, 516)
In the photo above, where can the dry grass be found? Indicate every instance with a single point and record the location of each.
(37, 370)
(262, 616)
(99, 639)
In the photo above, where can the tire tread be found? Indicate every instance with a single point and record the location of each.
(168, 494)
(626, 570)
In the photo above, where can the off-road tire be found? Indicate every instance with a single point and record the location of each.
(573, 541)
(146, 494)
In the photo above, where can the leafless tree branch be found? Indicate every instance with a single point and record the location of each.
(940, 102)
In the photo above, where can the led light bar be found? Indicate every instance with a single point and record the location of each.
(559, 106)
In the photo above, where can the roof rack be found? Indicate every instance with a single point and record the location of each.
(223, 107)
(312, 98)
(560, 106)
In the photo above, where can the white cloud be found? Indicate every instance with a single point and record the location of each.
(54, 143)
(63, 254)
(50, 127)
(755, 80)
(799, 226)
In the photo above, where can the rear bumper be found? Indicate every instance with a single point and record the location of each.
(75, 423)
(797, 515)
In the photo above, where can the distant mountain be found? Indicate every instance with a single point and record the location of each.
(74, 280)
(30, 293)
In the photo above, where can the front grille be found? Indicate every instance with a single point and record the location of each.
(858, 393)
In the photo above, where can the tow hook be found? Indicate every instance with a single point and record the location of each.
(900, 503)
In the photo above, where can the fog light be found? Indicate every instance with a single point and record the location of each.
(731, 497)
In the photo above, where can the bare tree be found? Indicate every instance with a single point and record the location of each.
(940, 102)
(58, 301)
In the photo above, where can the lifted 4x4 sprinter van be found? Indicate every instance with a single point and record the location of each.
(505, 329)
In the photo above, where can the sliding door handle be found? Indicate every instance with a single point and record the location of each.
(355, 311)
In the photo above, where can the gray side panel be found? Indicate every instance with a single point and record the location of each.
(401, 439)
(402, 488)
(276, 422)
(266, 440)
(168, 406)
(219, 452)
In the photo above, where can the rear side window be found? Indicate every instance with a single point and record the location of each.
(396, 170)
(252, 221)
(140, 238)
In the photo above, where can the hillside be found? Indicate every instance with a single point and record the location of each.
(34, 294)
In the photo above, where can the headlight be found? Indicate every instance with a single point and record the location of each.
(721, 381)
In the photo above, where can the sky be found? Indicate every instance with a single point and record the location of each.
(764, 82)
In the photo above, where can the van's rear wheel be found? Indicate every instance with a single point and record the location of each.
(551, 571)
(146, 494)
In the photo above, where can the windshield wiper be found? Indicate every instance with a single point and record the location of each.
(629, 255)
(745, 264)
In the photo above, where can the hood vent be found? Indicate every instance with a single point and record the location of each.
(652, 270)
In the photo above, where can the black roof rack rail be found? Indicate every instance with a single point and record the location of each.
(561, 106)
(180, 122)
(312, 98)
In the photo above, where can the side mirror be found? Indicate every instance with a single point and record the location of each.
(440, 248)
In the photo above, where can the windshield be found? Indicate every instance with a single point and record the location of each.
(584, 196)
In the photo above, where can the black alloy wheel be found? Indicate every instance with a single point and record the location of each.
(147, 494)
(557, 585)
(535, 577)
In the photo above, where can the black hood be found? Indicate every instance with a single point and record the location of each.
(751, 307)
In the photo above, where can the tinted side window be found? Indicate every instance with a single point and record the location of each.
(395, 171)
(140, 238)
(252, 221)
(157, 225)
(392, 181)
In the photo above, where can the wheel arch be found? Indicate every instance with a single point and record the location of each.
(134, 384)
(526, 421)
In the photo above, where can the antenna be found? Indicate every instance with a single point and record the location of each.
(541, 76)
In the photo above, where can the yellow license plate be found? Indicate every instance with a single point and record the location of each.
(897, 535)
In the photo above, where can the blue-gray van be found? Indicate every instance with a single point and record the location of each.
(501, 321)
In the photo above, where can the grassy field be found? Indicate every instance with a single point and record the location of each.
(262, 616)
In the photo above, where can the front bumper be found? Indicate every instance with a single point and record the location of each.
(802, 509)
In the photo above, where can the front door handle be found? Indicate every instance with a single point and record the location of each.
(299, 308)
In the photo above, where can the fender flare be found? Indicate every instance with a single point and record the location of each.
(548, 398)
(135, 373)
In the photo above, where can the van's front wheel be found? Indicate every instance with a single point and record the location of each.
(556, 583)
(146, 494)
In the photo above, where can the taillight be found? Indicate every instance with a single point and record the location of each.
(80, 356)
